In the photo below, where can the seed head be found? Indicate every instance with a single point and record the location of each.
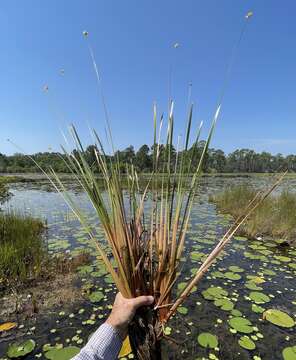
(176, 45)
(45, 88)
(85, 33)
(249, 14)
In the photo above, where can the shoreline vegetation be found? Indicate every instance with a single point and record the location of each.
(275, 217)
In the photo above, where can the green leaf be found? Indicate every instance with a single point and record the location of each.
(278, 318)
(17, 350)
(66, 353)
(207, 340)
(241, 324)
(224, 304)
(258, 297)
(182, 310)
(246, 343)
(289, 353)
(96, 296)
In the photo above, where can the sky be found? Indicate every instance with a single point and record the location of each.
(42, 45)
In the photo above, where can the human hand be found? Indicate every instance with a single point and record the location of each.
(124, 310)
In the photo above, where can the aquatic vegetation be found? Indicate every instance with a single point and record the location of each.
(7, 326)
(241, 324)
(279, 318)
(274, 217)
(246, 343)
(22, 247)
(18, 350)
(66, 353)
(289, 353)
(207, 340)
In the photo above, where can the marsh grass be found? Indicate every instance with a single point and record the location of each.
(275, 217)
(21, 247)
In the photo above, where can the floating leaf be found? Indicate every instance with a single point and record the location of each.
(246, 343)
(17, 350)
(224, 304)
(232, 276)
(182, 310)
(241, 324)
(7, 326)
(207, 340)
(257, 309)
(213, 293)
(278, 318)
(66, 353)
(235, 268)
(258, 297)
(125, 348)
(96, 296)
(289, 353)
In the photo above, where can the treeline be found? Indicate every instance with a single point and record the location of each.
(243, 160)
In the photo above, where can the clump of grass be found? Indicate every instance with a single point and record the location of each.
(21, 247)
(275, 217)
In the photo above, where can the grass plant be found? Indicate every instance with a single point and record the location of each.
(21, 248)
(275, 217)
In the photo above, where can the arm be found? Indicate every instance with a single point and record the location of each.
(106, 342)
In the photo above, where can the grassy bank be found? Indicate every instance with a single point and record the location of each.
(275, 217)
(4, 181)
(21, 247)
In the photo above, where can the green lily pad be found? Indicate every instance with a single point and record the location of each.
(224, 304)
(17, 350)
(252, 286)
(207, 340)
(257, 309)
(241, 324)
(278, 318)
(66, 353)
(289, 353)
(182, 310)
(96, 296)
(213, 293)
(235, 268)
(258, 297)
(232, 276)
(246, 343)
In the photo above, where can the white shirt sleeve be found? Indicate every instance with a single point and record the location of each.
(104, 344)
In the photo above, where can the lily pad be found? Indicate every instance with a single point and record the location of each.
(289, 353)
(7, 326)
(66, 353)
(207, 340)
(213, 293)
(241, 324)
(17, 350)
(279, 318)
(257, 309)
(182, 310)
(224, 304)
(246, 343)
(232, 276)
(258, 297)
(235, 268)
(96, 296)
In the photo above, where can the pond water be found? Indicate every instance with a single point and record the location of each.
(255, 276)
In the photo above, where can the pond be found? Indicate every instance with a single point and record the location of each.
(249, 278)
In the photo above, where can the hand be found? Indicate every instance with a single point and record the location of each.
(124, 310)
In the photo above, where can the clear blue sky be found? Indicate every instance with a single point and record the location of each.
(133, 44)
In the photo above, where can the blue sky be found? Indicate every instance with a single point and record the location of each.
(133, 44)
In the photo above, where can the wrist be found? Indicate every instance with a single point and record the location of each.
(120, 329)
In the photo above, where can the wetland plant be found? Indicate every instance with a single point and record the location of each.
(22, 247)
(275, 217)
(147, 243)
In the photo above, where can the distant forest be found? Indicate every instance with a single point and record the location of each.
(243, 160)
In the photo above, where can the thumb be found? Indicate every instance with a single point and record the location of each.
(142, 301)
